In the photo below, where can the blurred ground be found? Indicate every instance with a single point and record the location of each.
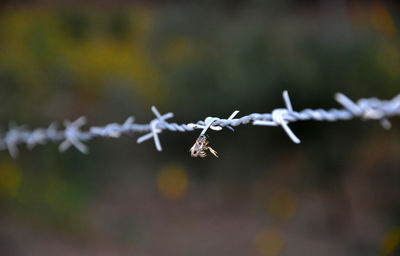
(337, 193)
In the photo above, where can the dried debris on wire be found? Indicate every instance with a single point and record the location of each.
(73, 135)
(201, 146)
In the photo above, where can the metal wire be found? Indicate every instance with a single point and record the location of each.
(72, 135)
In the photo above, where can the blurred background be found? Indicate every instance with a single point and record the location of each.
(337, 193)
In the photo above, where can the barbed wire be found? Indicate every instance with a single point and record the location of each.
(72, 135)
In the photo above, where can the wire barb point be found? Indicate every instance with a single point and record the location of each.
(155, 130)
(73, 134)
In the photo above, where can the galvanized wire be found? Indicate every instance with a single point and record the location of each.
(73, 135)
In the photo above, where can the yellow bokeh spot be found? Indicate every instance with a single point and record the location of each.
(381, 20)
(172, 181)
(390, 241)
(283, 205)
(270, 242)
(10, 178)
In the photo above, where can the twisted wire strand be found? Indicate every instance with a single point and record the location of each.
(72, 135)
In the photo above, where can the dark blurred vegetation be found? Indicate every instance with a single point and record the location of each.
(337, 193)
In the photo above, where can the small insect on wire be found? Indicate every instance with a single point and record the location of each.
(201, 146)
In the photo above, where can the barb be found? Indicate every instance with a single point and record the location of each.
(280, 118)
(73, 135)
(155, 130)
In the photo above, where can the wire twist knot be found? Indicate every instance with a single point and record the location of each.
(73, 135)
(156, 126)
(281, 117)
